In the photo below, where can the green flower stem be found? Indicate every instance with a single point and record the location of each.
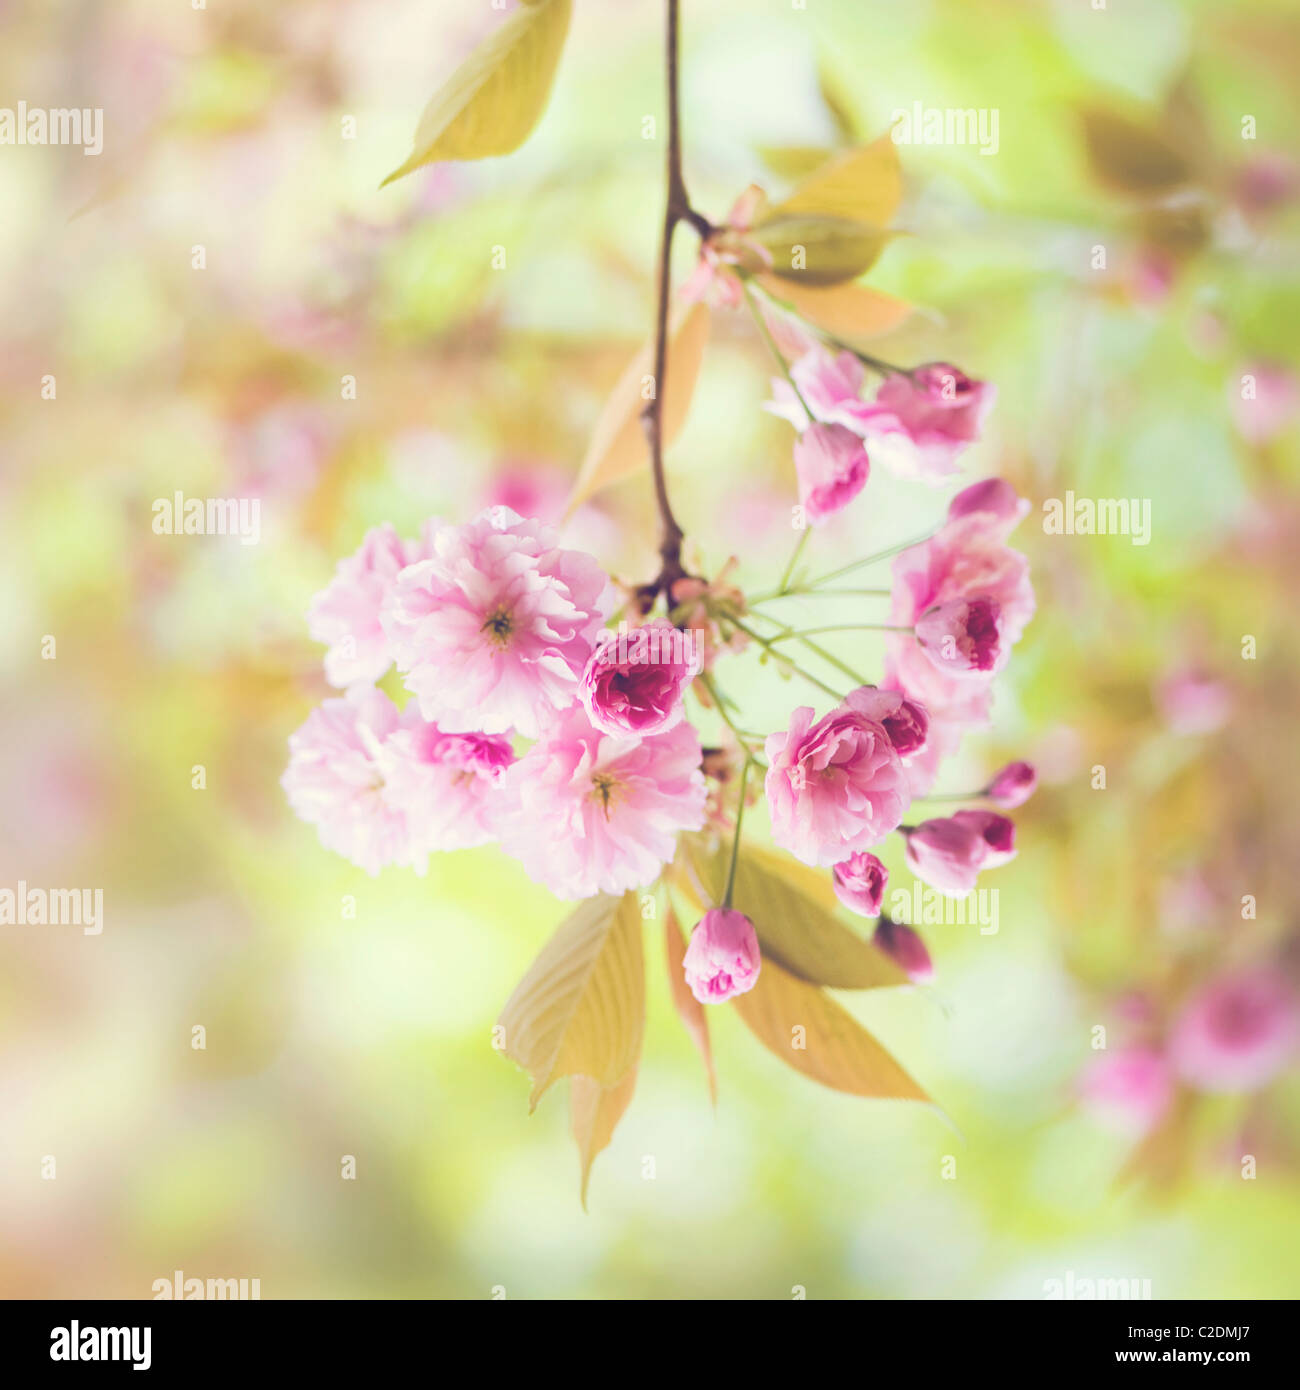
(794, 560)
(735, 844)
(840, 627)
(866, 560)
(818, 650)
(776, 352)
(766, 644)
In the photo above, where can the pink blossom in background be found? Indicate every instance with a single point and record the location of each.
(1264, 399)
(833, 787)
(963, 637)
(1129, 1089)
(335, 780)
(346, 614)
(904, 947)
(832, 468)
(1237, 1033)
(949, 852)
(588, 813)
(1267, 182)
(722, 958)
(528, 489)
(635, 681)
(1013, 785)
(1193, 702)
(494, 628)
(859, 883)
(448, 785)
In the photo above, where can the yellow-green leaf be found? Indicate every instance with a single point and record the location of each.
(810, 1032)
(594, 1113)
(580, 1009)
(791, 908)
(852, 313)
(492, 101)
(863, 184)
(1131, 157)
(793, 161)
(821, 250)
(689, 1009)
(618, 445)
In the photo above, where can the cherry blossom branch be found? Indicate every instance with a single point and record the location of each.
(677, 209)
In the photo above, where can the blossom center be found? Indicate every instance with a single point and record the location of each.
(604, 788)
(498, 626)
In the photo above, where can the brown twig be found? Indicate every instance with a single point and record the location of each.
(677, 209)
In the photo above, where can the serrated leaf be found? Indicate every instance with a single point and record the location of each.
(791, 908)
(852, 313)
(594, 1113)
(1131, 157)
(810, 1032)
(491, 103)
(821, 250)
(862, 185)
(689, 1009)
(618, 445)
(580, 1009)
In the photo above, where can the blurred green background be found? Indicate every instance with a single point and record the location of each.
(228, 128)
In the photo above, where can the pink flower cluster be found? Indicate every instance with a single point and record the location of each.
(498, 632)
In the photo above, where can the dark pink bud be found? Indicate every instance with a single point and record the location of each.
(1013, 786)
(860, 883)
(997, 832)
(906, 949)
(994, 495)
(722, 958)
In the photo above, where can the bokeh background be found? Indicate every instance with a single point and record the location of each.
(226, 128)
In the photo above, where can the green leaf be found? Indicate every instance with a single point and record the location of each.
(863, 185)
(1130, 156)
(791, 907)
(494, 99)
(820, 250)
(618, 446)
(580, 1009)
(852, 313)
(594, 1113)
(810, 1032)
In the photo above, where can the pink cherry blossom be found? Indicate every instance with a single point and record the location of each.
(829, 384)
(859, 883)
(634, 681)
(967, 558)
(1237, 1033)
(346, 613)
(834, 787)
(448, 785)
(1194, 702)
(832, 468)
(722, 958)
(948, 853)
(1013, 785)
(963, 637)
(904, 947)
(590, 813)
(336, 781)
(928, 416)
(494, 628)
(1129, 1089)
